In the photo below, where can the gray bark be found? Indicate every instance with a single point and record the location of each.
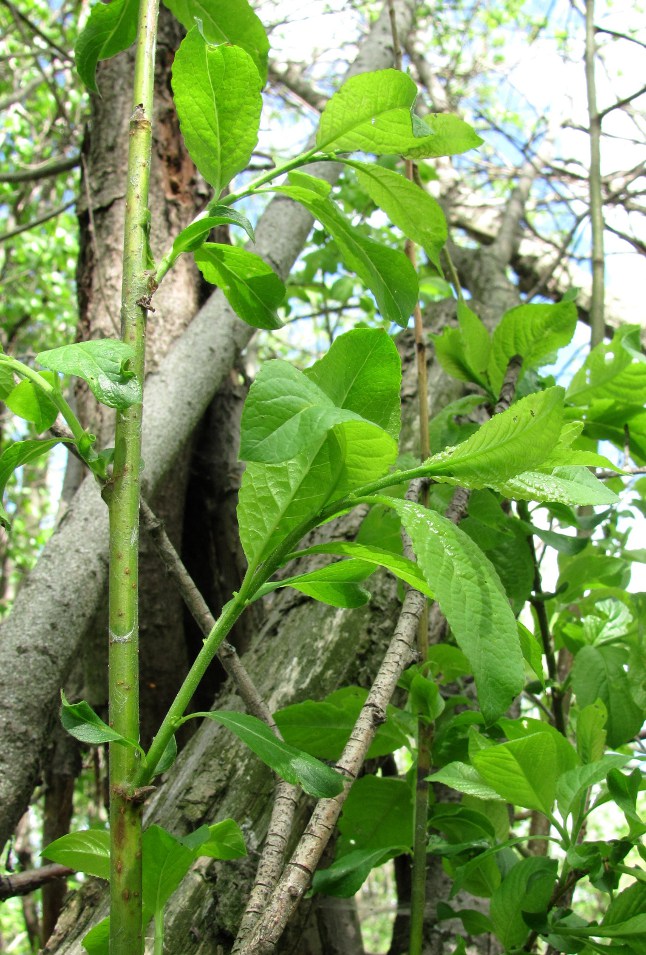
(63, 593)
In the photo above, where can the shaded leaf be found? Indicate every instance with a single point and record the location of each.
(81, 722)
(110, 29)
(251, 287)
(336, 585)
(105, 364)
(30, 402)
(13, 457)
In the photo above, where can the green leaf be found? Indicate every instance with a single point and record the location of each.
(565, 485)
(165, 862)
(535, 332)
(336, 585)
(109, 30)
(377, 814)
(322, 729)
(13, 457)
(97, 940)
(525, 771)
(464, 779)
(386, 272)
(87, 851)
(609, 373)
(30, 402)
(371, 112)
(284, 413)
(291, 764)
(81, 722)
(226, 21)
(625, 790)
(517, 440)
(599, 673)
(222, 840)
(168, 757)
(401, 567)
(409, 207)
(590, 731)
(104, 364)
(362, 373)
(575, 782)
(7, 380)
(527, 887)
(346, 875)
(251, 287)
(193, 236)
(217, 94)
(476, 339)
(471, 597)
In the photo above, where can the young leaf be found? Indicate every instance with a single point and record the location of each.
(346, 875)
(17, 454)
(97, 940)
(410, 208)
(609, 373)
(371, 112)
(109, 30)
(386, 272)
(336, 585)
(527, 887)
(217, 95)
(599, 673)
(464, 779)
(81, 722)
(222, 840)
(193, 236)
(87, 851)
(7, 380)
(565, 485)
(291, 764)
(362, 373)
(535, 332)
(477, 343)
(284, 413)
(576, 781)
(30, 402)
(523, 771)
(226, 21)
(516, 440)
(323, 728)
(104, 364)
(165, 862)
(400, 566)
(168, 757)
(472, 598)
(251, 287)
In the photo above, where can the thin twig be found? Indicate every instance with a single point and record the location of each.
(43, 171)
(36, 222)
(22, 883)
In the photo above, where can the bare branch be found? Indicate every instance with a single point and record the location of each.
(36, 222)
(42, 171)
(22, 883)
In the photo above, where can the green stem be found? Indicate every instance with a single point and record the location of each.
(122, 497)
(159, 932)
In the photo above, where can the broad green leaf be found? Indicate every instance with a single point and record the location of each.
(627, 905)
(217, 95)
(362, 373)
(460, 823)
(590, 731)
(535, 332)
(386, 272)
(400, 566)
(346, 875)
(194, 235)
(7, 380)
(609, 373)
(527, 887)
(477, 342)
(251, 287)
(165, 862)
(464, 779)
(87, 851)
(377, 814)
(97, 940)
(110, 29)
(409, 207)
(222, 840)
(17, 454)
(323, 729)
(168, 757)
(450, 352)
(291, 764)
(105, 364)
(560, 542)
(471, 597)
(284, 413)
(371, 112)
(226, 21)
(573, 783)
(514, 441)
(447, 427)
(523, 771)
(424, 699)
(624, 789)
(81, 722)
(474, 922)
(336, 585)
(588, 570)
(565, 485)
(30, 402)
